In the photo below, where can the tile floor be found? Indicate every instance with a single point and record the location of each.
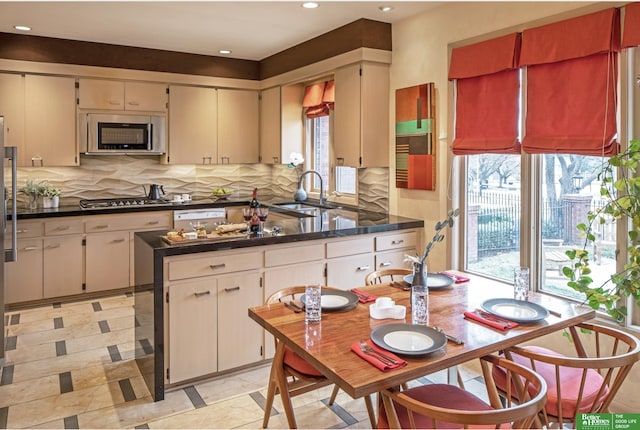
(72, 365)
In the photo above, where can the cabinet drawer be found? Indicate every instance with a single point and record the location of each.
(349, 247)
(396, 241)
(213, 263)
(63, 227)
(26, 229)
(133, 222)
(293, 254)
(394, 259)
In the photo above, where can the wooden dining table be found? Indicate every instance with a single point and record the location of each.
(327, 344)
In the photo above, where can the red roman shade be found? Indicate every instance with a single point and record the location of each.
(487, 88)
(571, 85)
(631, 33)
(318, 99)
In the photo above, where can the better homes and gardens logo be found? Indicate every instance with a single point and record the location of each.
(608, 421)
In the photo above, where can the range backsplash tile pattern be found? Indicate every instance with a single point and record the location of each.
(125, 176)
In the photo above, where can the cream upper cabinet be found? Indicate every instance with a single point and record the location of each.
(12, 108)
(238, 130)
(270, 126)
(361, 115)
(193, 131)
(122, 95)
(281, 125)
(50, 121)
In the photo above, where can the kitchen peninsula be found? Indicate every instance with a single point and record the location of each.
(191, 299)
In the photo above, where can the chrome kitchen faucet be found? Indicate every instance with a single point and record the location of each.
(301, 195)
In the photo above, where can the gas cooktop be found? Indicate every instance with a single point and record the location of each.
(121, 202)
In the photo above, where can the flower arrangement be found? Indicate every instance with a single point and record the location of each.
(437, 237)
(295, 160)
(34, 188)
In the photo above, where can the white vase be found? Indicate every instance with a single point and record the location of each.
(50, 202)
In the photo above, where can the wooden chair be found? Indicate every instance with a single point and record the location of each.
(449, 406)
(586, 382)
(386, 275)
(291, 375)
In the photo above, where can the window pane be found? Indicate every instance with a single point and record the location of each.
(320, 148)
(493, 215)
(570, 188)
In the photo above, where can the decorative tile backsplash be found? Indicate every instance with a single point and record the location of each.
(129, 176)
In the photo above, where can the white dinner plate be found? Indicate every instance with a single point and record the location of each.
(519, 311)
(435, 281)
(335, 300)
(408, 339)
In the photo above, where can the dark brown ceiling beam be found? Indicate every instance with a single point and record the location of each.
(358, 34)
(363, 33)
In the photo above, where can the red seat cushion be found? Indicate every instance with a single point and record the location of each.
(570, 388)
(442, 395)
(298, 363)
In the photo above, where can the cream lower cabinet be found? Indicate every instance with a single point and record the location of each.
(239, 337)
(208, 328)
(23, 278)
(193, 329)
(392, 249)
(109, 247)
(62, 266)
(349, 262)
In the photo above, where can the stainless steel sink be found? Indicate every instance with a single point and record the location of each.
(300, 207)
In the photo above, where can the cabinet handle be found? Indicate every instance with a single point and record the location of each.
(100, 227)
(340, 161)
(222, 159)
(275, 160)
(22, 231)
(62, 228)
(133, 103)
(397, 242)
(117, 240)
(114, 102)
(202, 293)
(153, 222)
(228, 290)
(385, 264)
(29, 248)
(217, 266)
(57, 245)
(205, 159)
(361, 268)
(35, 159)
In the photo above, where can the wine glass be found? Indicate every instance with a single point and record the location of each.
(262, 216)
(247, 213)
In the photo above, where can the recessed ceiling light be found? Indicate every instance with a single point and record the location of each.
(309, 5)
(225, 51)
(385, 8)
(22, 27)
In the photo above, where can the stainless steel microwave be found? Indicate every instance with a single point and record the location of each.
(118, 134)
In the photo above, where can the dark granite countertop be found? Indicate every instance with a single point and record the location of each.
(330, 223)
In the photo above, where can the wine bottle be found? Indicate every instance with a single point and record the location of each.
(254, 204)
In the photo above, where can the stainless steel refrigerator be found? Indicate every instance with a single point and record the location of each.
(10, 152)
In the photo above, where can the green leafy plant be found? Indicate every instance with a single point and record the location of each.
(620, 187)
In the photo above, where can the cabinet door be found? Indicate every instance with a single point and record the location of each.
(346, 120)
(270, 151)
(50, 121)
(193, 329)
(100, 94)
(394, 259)
(107, 261)
(239, 337)
(192, 125)
(238, 131)
(361, 115)
(292, 132)
(145, 96)
(12, 108)
(23, 278)
(62, 266)
(349, 272)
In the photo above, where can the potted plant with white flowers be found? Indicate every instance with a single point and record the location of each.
(50, 196)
